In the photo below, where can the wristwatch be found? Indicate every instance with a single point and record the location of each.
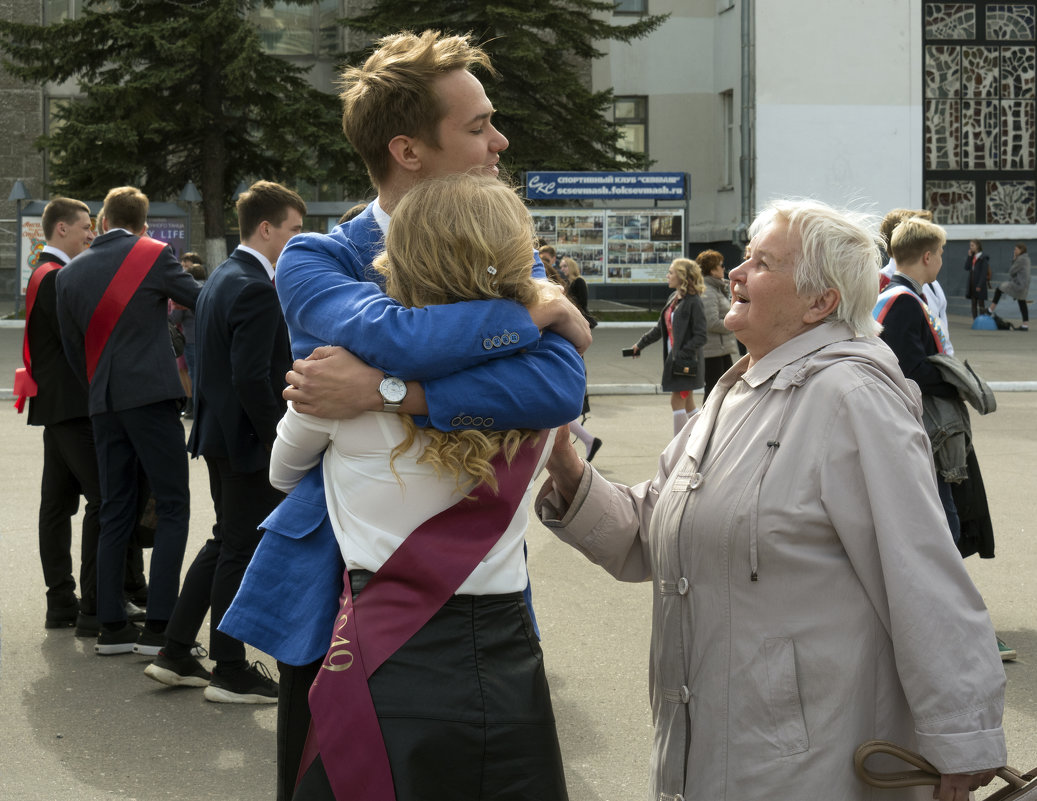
(393, 391)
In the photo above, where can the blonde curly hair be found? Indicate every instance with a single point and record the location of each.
(452, 239)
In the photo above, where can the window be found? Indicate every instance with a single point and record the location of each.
(730, 155)
(631, 7)
(978, 94)
(289, 29)
(631, 118)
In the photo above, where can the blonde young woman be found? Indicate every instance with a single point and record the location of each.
(682, 328)
(464, 703)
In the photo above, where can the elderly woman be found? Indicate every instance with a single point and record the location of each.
(808, 596)
(682, 328)
(1017, 285)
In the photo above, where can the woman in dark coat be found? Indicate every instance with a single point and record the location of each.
(977, 265)
(682, 328)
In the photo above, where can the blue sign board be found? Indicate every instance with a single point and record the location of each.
(605, 185)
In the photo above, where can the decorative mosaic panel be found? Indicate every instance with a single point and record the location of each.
(950, 20)
(1012, 21)
(1011, 202)
(942, 71)
(1017, 135)
(1017, 71)
(980, 107)
(979, 71)
(951, 202)
(980, 135)
(943, 134)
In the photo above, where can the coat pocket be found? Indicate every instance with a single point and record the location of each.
(790, 729)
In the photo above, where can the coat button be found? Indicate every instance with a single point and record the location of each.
(685, 694)
(496, 342)
(456, 422)
(682, 585)
(514, 337)
(487, 344)
(488, 422)
(477, 422)
(466, 420)
(696, 481)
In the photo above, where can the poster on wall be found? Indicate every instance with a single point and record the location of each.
(170, 230)
(622, 246)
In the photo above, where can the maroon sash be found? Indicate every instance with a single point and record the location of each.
(413, 584)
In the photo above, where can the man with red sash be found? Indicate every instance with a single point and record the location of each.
(59, 405)
(112, 307)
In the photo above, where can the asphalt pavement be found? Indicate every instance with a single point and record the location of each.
(74, 725)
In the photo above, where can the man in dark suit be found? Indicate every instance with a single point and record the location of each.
(69, 463)
(69, 459)
(133, 394)
(243, 353)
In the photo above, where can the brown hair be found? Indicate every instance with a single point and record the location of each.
(393, 92)
(897, 216)
(709, 260)
(125, 207)
(266, 201)
(451, 239)
(62, 209)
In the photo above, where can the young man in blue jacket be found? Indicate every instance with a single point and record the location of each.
(413, 111)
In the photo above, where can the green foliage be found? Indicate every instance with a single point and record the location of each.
(542, 49)
(172, 91)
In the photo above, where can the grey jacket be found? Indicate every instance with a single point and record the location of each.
(716, 302)
(807, 594)
(1018, 283)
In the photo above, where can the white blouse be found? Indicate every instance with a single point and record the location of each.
(371, 510)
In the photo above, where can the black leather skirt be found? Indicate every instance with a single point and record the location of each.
(465, 709)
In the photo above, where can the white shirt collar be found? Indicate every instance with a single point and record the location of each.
(57, 252)
(262, 260)
(380, 217)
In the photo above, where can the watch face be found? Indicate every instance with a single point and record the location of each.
(392, 389)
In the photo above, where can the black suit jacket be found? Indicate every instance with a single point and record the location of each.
(60, 395)
(241, 357)
(137, 366)
(906, 330)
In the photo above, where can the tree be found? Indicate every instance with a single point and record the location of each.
(541, 48)
(172, 91)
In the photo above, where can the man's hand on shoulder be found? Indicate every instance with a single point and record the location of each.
(555, 311)
(334, 384)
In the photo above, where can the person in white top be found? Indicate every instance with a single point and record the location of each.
(932, 292)
(457, 238)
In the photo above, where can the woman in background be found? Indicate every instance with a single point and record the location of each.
(1017, 285)
(721, 349)
(576, 291)
(682, 328)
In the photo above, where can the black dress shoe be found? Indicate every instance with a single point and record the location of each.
(594, 449)
(87, 625)
(62, 617)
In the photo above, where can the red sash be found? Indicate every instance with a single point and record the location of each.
(24, 384)
(442, 552)
(124, 283)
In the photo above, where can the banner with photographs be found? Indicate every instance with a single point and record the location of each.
(623, 246)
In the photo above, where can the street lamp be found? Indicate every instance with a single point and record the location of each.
(19, 192)
(190, 195)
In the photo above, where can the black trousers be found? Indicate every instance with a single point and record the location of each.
(152, 437)
(464, 708)
(716, 366)
(1024, 310)
(242, 501)
(69, 470)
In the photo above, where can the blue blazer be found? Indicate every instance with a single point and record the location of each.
(331, 295)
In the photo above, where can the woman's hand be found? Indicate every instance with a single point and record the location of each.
(636, 350)
(956, 786)
(564, 466)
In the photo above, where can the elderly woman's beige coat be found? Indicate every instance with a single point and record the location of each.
(808, 596)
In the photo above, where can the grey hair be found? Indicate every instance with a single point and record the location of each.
(838, 250)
